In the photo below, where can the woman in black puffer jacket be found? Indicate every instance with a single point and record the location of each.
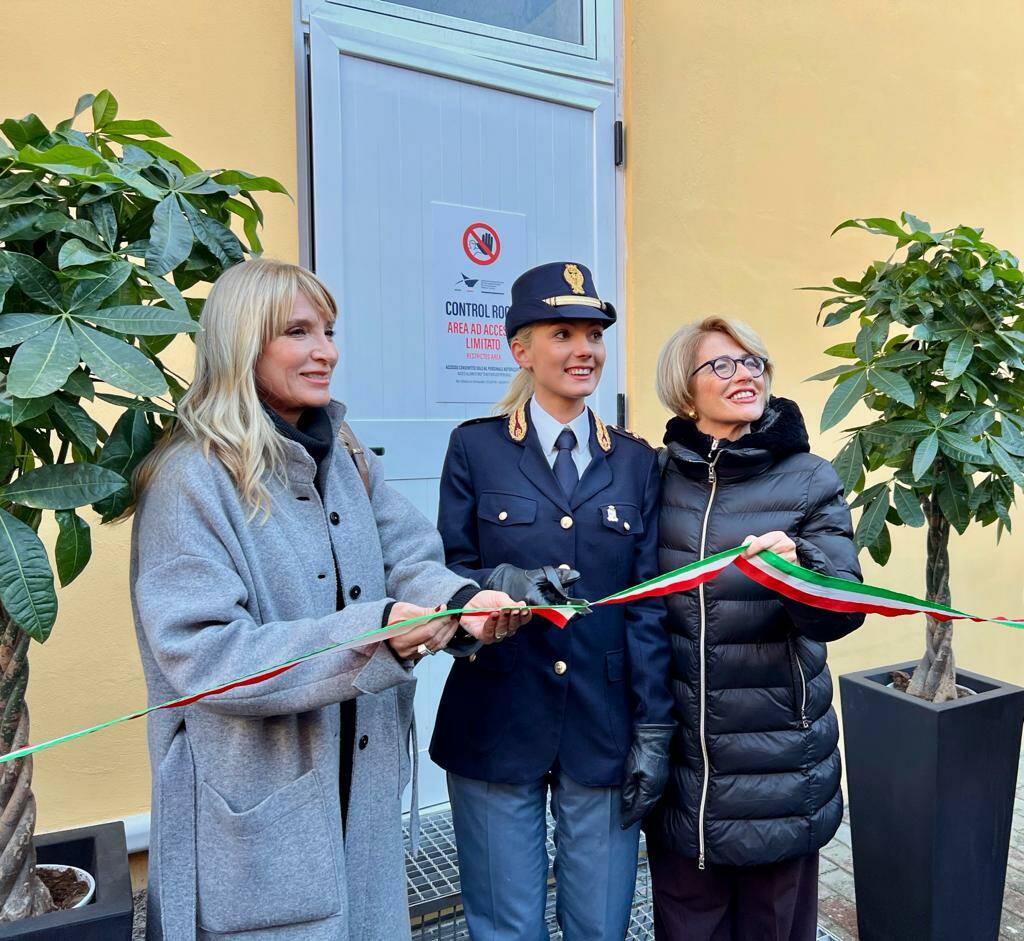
(754, 787)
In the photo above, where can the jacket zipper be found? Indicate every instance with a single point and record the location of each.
(713, 480)
(795, 660)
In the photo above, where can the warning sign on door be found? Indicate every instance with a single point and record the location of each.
(481, 243)
(476, 255)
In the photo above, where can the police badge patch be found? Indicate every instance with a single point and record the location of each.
(574, 278)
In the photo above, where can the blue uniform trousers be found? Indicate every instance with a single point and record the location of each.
(503, 862)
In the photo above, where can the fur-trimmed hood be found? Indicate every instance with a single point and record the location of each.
(777, 434)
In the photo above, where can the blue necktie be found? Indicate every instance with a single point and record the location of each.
(565, 467)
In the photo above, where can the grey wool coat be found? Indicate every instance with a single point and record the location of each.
(246, 841)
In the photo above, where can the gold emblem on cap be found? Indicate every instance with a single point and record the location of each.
(574, 278)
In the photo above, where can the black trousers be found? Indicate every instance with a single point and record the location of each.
(778, 902)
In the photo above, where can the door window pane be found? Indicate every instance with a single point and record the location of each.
(554, 19)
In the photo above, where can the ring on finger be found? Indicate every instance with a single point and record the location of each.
(423, 650)
(500, 635)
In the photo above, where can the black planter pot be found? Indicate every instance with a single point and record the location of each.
(931, 803)
(101, 852)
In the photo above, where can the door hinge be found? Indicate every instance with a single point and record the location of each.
(620, 409)
(620, 144)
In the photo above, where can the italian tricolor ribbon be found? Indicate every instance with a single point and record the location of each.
(766, 568)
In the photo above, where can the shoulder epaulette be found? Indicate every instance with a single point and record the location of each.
(626, 433)
(477, 421)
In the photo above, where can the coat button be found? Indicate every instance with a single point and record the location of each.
(566, 522)
(560, 667)
(354, 592)
(322, 575)
(363, 742)
(503, 515)
(564, 567)
(625, 526)
(334, 518)
(472, 658)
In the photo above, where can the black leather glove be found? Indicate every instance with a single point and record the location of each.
(646, 771)
(541, 587)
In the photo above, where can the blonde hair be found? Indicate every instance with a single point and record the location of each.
(249, 306)
(520, 388)
(678, 360)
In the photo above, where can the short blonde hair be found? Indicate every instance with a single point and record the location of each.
(678, 360)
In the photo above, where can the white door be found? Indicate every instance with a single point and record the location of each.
(439, 174)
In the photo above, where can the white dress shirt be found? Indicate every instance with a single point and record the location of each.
(548, 430)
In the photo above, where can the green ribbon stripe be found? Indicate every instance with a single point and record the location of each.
(809, 578)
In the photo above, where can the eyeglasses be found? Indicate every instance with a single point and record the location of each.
(725, 366)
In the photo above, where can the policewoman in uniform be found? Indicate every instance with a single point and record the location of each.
(583, 712)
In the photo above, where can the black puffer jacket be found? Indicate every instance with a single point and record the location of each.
(752, 691)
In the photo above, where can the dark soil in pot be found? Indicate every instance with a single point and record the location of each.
(66, 888)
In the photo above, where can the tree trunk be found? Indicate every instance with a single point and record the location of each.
(935, 675)
(22, 894)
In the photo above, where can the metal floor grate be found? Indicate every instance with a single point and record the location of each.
(435, 902)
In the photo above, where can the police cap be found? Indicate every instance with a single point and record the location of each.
(559, 290)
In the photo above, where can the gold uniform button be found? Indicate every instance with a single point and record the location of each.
(503, 516)
(566, 522)
(625, 526)
(564, 567)
(560, 667)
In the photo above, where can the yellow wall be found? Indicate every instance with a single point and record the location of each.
(754, 128)
(219, 77)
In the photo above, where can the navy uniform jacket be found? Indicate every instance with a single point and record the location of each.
(548, 697)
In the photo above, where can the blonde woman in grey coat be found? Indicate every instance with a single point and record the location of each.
(276, 810)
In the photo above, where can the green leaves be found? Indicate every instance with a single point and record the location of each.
(170, 238)
(88, 295)
(104, 109)
(63, 486)
(101, 230)
(872, 520)
(893, 385)
(119, 363)
(129, 442)
(143, 320)
(924, 454)
(16, 328)
(908, 506)
(43, 363)
(934, 351)
(35, 279)
(147, 128)
(26, 580)
(843, 398)
(849, 464)
(958, 355)
(73, 547)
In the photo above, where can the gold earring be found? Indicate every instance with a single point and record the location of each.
(692, 414)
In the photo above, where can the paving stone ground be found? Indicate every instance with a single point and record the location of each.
(837, 904)
(837, 907)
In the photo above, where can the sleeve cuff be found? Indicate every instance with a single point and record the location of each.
(462, 597)
(811, 557)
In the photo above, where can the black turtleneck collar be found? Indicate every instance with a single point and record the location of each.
(780, 431)
(313, 431)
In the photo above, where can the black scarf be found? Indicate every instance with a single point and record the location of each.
(313, 431)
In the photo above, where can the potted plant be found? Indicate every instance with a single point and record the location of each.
(937, 359)
(100, 233)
